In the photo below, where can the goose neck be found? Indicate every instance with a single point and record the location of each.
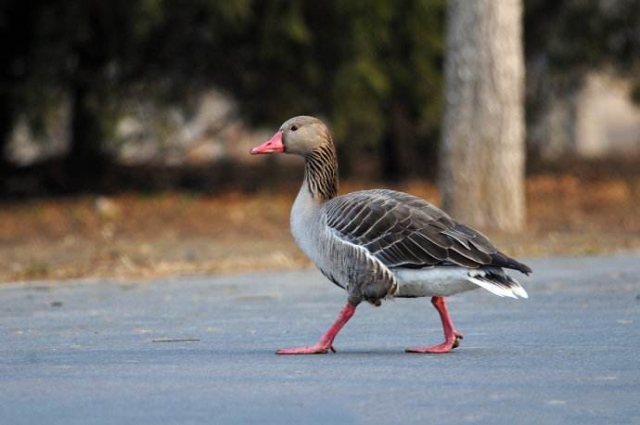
(321, 173)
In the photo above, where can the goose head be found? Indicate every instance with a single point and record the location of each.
(299, 135)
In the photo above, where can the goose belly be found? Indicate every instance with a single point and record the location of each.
(432, 281)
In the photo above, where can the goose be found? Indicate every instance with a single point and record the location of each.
(378, 244)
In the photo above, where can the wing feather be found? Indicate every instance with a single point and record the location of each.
(402, 230)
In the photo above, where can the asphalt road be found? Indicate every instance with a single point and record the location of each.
(200, 350)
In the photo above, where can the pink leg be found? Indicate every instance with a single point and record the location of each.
(325, 343)
(451, 336)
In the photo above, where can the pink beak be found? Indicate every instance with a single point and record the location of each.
(273, 145)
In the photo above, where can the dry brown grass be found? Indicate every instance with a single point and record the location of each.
(134, 236)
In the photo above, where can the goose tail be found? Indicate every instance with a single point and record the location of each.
(496, 281)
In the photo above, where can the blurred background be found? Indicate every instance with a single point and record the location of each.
(125, 125)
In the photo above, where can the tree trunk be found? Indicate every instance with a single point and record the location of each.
(396, 151)
(6, 125)
(85, 161)
(481, 176)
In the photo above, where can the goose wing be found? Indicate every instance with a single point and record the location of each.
(402, 230)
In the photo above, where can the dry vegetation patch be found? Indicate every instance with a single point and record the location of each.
(143, 236)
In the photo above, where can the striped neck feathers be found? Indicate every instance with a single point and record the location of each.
(321, 172)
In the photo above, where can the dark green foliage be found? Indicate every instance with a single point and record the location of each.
(372, 68)
(578, 35)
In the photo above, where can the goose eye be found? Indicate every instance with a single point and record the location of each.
(294, 127)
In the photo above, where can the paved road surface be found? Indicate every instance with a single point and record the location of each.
(200, 350)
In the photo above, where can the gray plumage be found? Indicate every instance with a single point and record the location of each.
(382, 243)
(366, 241)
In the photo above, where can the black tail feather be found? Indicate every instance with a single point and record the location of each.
(501, 260)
